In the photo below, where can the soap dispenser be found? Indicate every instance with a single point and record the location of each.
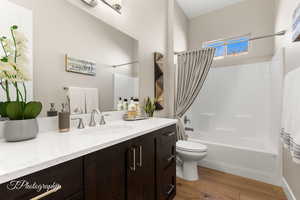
(52, 112)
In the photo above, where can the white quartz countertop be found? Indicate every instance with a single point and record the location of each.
(52, 148)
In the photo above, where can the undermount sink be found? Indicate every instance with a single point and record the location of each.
(107, 129)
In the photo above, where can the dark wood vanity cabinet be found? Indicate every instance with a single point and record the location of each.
(166, 163)
(143, 168)
(69, 175)
(104, 174)
(140, 177)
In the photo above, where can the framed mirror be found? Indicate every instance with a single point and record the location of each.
(88, 55)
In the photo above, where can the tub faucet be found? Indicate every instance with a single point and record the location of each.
(93, 121)
(186, 120)
(188, 129)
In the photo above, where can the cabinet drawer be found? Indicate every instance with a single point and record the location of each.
(168, 133)
(167, 156)
(168, 183)
(68, 175)
(166, 147)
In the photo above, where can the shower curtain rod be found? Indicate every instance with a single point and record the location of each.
(281, 33)
(114, 66)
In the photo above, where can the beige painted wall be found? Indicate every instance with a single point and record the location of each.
(181, 26)
(147, 21)
(285, 9)
(250, 16)
(81, 35)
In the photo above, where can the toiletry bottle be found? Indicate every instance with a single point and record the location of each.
(64, 119)
(52, 112)
(125, 104)
(132, 109)
(137, 105)
(120, 104)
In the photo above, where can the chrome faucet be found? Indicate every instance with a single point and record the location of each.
(80, 124)
(93, 121)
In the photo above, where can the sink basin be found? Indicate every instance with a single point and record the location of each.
(106, 129)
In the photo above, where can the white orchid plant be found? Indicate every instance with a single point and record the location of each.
(13, 73)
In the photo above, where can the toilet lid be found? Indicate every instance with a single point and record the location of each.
(190, 146)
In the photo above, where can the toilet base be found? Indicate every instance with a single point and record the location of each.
(188, 171)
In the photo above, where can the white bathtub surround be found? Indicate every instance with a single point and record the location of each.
(242, 157)
(234, 116)
(189, 153)
(52, 148)
(291, 114)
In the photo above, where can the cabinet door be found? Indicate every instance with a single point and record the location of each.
(68, 175)
(105, 174)
(141, 169)
(166, 163)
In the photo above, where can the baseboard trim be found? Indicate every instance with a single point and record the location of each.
(287, 190)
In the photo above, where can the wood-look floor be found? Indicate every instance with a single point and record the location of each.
(215, 185)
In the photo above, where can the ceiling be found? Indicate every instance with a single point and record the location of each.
(194, 8)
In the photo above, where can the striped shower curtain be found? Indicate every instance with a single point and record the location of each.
(192, 70)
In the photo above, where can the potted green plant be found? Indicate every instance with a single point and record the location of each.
(149, 107)
(21, 115)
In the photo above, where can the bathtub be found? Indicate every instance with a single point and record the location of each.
(246, 157)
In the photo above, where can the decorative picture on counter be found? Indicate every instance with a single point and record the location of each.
(80, 66)
(159, 80)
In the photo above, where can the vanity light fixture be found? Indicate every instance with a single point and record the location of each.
(114, 4)
(91, 3)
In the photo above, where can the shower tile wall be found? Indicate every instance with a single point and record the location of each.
(235, 101)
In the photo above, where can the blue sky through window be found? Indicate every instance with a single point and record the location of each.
(230, 47)
(237, 46)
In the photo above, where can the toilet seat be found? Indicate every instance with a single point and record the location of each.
(190, 146)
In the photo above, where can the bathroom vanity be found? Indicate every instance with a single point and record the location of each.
(122, 160)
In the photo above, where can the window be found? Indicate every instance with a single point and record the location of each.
(229, 47)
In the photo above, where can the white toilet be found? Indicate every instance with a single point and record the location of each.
(189, 154)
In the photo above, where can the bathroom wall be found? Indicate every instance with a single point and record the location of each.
(250, 16)
(283, 21)
(181, 26)
(80, 35)
(147, 21)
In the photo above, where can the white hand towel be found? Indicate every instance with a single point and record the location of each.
(77, 100)
(92, 99)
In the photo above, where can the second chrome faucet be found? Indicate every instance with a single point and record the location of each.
(93, 121)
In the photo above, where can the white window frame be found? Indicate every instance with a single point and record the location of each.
(226, 46)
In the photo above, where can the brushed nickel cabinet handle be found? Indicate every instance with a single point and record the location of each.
(47, 193)
(169, 192)
(171, 158)
(140, 164)
(170, 134)
(133, 166)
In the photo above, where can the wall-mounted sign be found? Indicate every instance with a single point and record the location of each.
(296, 25)
(80, 66)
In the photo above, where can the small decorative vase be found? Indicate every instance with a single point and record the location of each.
(20, 130)
(150, 114)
